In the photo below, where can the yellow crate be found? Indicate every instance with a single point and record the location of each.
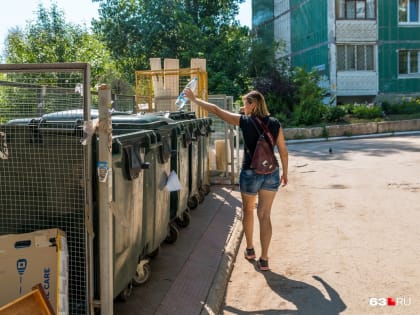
(157, 90)
(32, 303)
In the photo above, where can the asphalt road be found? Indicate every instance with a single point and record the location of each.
(346, 234)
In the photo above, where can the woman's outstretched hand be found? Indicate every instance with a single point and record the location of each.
(190, 94)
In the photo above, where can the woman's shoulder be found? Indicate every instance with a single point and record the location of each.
(273, 121)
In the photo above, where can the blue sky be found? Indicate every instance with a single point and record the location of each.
(17, 12)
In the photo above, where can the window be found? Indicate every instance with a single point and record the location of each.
(356, 10)
(409, 62)
(409, 11)
(355, 58)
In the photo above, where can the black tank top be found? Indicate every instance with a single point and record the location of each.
(250, 135)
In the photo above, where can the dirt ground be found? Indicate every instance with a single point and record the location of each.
(346, 236)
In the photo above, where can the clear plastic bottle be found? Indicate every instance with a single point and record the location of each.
(182, 99)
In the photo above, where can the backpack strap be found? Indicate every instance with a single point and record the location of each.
(266, 131)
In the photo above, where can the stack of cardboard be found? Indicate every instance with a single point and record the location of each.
(40, 257)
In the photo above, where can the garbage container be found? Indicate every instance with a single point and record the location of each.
(156, 201)
(159, 226)
(205, 129)
(129, 167)
(156, 222)
(181, 141)
(197, 157)
(140, 217)
(130, 261)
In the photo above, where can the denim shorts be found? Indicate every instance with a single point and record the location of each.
(251, 182)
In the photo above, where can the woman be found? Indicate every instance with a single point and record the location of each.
(254, 185)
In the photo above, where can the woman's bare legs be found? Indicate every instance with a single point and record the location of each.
(265, 202)
(248, 207)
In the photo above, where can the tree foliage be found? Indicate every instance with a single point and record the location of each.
(272, 77)
(292, 94)
(136, 30)
(51, 39)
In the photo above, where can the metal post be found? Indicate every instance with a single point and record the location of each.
(105, 198)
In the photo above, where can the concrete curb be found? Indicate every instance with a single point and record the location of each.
(365, 136)
(351, 130)
(217, 290)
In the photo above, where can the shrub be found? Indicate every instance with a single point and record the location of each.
(282, 118)
(409, 106)
(348, 108)
(334, 114)
(308, 108)
(387, 107)
(367, 112)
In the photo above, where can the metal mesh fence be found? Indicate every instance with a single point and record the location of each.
(157, 90)
(224, 143)
(124, 103)
(43, 171)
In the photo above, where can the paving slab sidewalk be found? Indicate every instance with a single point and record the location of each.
(190, 276)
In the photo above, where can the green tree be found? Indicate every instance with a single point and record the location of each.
(271, 76)
(51, 39)
(308, 108)
(136, 30)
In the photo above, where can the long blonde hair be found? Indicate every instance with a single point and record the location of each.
(260, 110)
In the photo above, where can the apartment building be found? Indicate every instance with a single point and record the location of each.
(364, 50)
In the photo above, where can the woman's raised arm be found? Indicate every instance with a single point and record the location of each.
(229, 117)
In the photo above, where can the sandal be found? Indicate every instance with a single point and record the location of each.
(249, 253)
(262, 265)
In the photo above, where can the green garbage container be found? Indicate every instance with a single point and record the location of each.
(159, 225)
(181, 141)
(204, 145)
(195, 164)
(128, 158)
(140, 200)
(156, 201)
(129, 167)
(140, 203)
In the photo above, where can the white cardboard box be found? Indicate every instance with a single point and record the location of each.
(32, 258)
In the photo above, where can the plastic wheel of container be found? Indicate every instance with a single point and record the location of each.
(184, 221)
(206, 189)
(201, 196)
(143, 274)
(193, 202)
(126, 293)
(172, 235)
(154, 253)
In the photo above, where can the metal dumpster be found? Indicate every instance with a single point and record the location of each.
(194, 158)
(128, 172)
(162, 154)
(181, 140)
(156, 222)
(204, 125)
(143, 200)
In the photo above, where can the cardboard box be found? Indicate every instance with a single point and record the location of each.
(32, 258)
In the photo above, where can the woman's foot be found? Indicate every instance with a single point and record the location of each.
(263, 265)
(249, 253)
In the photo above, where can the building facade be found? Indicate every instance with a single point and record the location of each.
(365, 50)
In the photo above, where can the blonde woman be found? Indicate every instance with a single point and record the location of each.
(253, 185)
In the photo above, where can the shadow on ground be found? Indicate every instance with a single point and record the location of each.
(307, 299)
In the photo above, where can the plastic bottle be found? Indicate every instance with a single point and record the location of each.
(182, 99)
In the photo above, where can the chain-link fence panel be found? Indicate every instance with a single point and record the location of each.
(44, 168)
